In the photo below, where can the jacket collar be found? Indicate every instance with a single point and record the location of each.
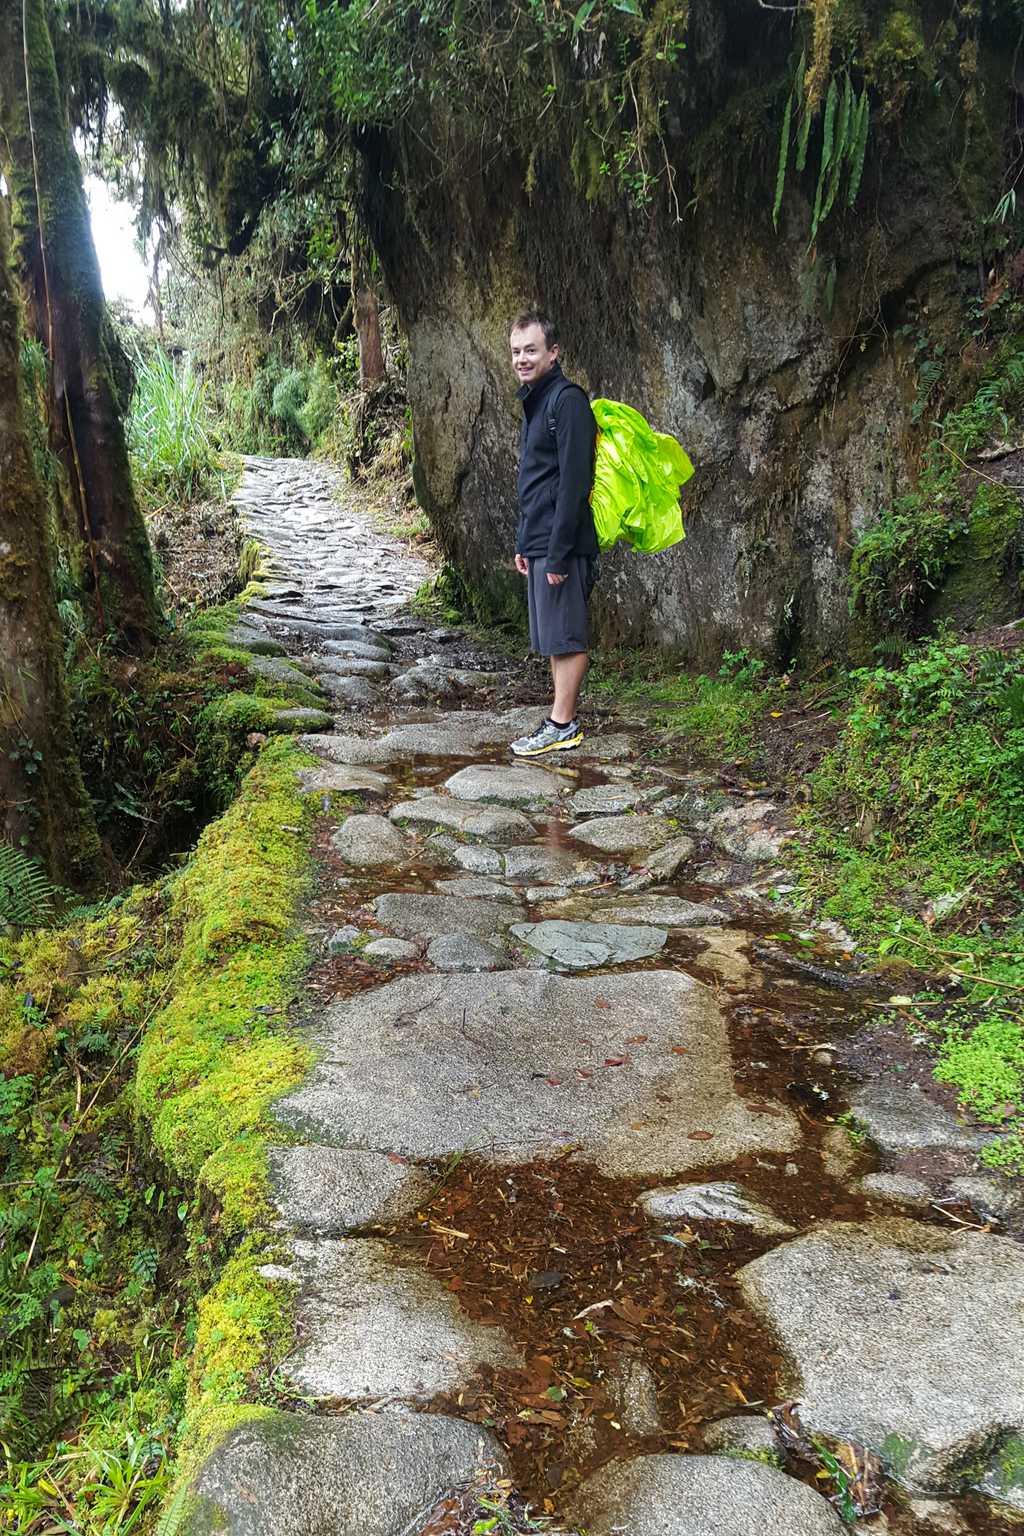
(529, 394)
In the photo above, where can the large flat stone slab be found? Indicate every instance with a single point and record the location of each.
(493, 824)
(327, 1191)
(518, 1063)
(459, 734)
(371, 1330)
(624, 834)
(500, 784)
(699, 1496)
(584, 946)
(416, 916)
(363, 1474)
(903, 1336)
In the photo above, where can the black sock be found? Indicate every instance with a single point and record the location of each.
(560, 725)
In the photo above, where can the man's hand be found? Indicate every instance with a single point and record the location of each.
(522, 565)
(554, 580)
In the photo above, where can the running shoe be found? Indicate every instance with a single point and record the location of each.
(548, 737)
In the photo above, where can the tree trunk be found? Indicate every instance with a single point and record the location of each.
(366, 314)
(56, 257)
(43, 805)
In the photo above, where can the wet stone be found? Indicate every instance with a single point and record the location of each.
(609, 799)
(448, 851)
(370, 1330)
(748, 831)
(900, 1188)
(624, 834)
(740, 1432)
(327, 1191)
(475, 885)
(361, 1474)
(607, 749)
(300, 719)
(633, 1393)
(353, 692)
(369, 841)
(699, 1496)
(246, 637)
(713, 1202)
(513, 785)
(899, 1117)
(582, 946)
(344, 939)
(919, 1306)
(342, 779)
(347, 666)
(357, 646)
(661, 865)
(554, 866)
(382, 1080)
(462, 952)
(989, 1196)
(276, 670)
(392, 949)
(488, 823)
(671, 911)
(416, 916)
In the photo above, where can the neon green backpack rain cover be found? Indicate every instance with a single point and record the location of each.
(638, 474)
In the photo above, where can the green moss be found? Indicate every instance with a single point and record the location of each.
(215, 1056)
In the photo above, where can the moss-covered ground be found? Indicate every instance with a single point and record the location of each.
(141, 1043)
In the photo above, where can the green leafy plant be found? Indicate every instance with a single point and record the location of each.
(27, 896)
(844, 139)
(169, 428)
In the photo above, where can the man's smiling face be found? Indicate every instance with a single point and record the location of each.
(531, 356)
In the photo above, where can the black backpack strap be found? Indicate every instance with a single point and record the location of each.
(556, 394)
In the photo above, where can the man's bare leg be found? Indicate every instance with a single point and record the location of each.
(567, 673)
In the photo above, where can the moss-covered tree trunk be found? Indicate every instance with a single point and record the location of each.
(366, 317)
(56, 258)
(43, 805)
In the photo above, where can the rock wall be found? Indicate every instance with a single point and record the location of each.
(780, 366)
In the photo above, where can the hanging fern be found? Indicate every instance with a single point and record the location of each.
(844, 140)
(27, 896)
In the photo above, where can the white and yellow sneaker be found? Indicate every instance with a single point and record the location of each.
(548, 737)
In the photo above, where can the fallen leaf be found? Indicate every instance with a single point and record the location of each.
(553, 1082)
(681, 1050)
(601, 1002)
(699, 1135)
(638, 1039)
(393, 1157)
(615, 1061)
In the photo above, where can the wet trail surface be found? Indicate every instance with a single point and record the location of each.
(579, 1168)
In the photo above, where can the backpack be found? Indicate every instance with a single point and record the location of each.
(638, 474)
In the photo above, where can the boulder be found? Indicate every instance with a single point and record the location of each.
(371, 1330)
(369, 841)
(416, 916)
(881, 1320)
(488, 823)
(723, 1201)
(624, 834)
(582, 946)
(699, 1496)
(512, 784)
(362, 1474)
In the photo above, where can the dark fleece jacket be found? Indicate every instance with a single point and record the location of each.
(556, 472)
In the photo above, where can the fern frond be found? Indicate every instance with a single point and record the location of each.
(27, 895)
(780, 178)
(860, 144)
(828, 132)
(174, 1514)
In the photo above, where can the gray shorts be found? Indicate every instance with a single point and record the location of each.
(558, 615)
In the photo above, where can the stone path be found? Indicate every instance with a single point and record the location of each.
(573, 963)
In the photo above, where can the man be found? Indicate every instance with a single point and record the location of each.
(556, 545)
